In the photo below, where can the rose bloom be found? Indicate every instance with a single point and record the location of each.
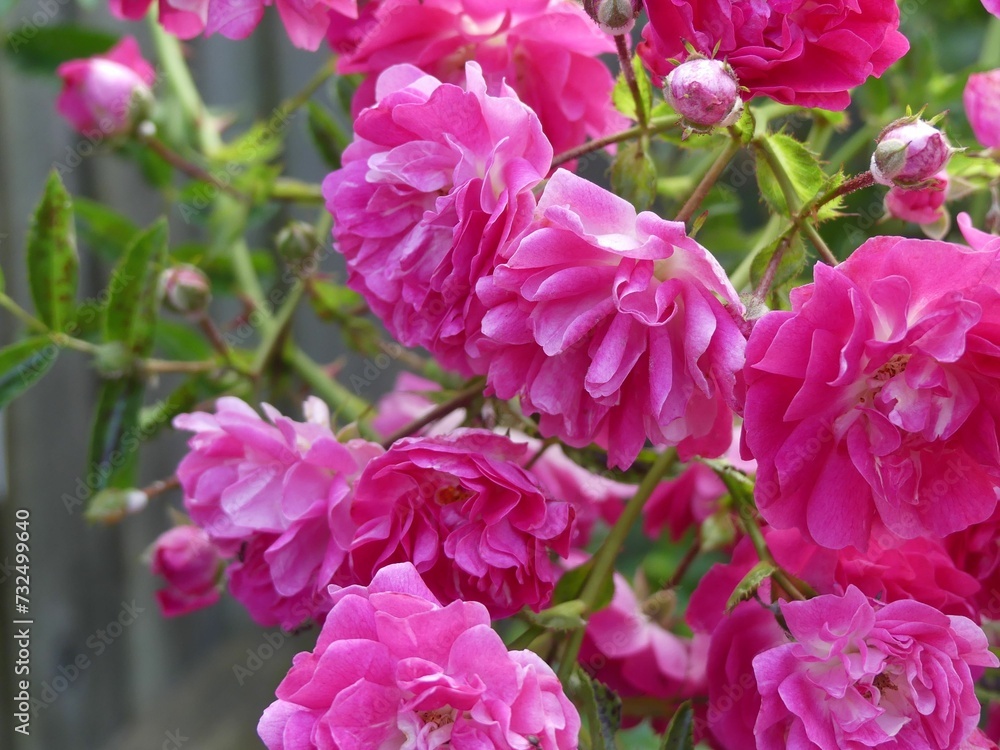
(435, 183)
(982, 105)
(993, 6)
(630, 648)
(476, 525)
(613, 327)
(858, 673)
(546, 50)
(593, 497)
(922, 206)
(976, 551)
(276, 497)
(795, 52)
(681, 503)
(305, 21)
(100, 94)
(875, 398)
(191, 566)
(393, 668)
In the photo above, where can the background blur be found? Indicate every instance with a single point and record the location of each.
(201, 682)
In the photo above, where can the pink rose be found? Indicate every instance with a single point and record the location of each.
(475, 525)
(608, 325)
(394, 668)
(437, 181)
(101, 94)
(993, 6)
(733, 698)
(795, 52)
(860, 673)
(275, 496)
(922, 205)
(976, 551)
(306, 21)
(692, 496)
(982, 104)
(629, 648)
(546, 50)
(593, 497)
(876, 398)
(191, 565)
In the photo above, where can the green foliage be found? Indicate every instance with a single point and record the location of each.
(800, 176)
(23, 364)
(747, 587)
(622, 96)
(570, 585)
(328, 136)
(52, 259)
(131, 312)
(600, 706)
(680, 732)
(633, 175)
(42, 49)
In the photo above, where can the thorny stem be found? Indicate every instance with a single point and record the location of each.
(189, 168)
(655, 126)
(463, 398)
(705, 185)
(625, 61)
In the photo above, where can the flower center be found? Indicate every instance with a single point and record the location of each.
(439, 717)
(451, 494)
(892, 368)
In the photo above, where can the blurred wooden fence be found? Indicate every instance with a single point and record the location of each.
(161, 683)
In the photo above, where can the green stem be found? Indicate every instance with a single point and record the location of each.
(459, 400)
(312, 86)
(275, 330)
(740, 278)
(760, 545)
(345, 404)
(705, 184)
(190, 168)
(175, 69)
(33, 323)
(657, 125)
(625, 62)
(287, 189)
(792, 199)
(604, 558)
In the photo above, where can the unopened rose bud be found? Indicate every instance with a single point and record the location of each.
(105, 95)
(614, 16)
(185, 290)
(910, 152)
(705, 93)
(190, 564)
(297, 243)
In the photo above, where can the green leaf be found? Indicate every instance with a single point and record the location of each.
(563, 616)
(622, 95)
(680, 732)
(746, 588)
(42, 49)
(633, 175)
(23, 364)
(571, 584)
(131, 313)
(327, 134)
(601, 707)
(802, 169)
(791, 264)
(115, 437)
(740, 485)
(53, 265)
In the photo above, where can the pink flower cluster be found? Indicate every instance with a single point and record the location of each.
(795, 52)
(545, 50)
(395, 668)
(305, 21)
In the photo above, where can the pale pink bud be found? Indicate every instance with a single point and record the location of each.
(705, 93)
(185, 290)
(909, 154)
(104, 95)
(186, 558)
